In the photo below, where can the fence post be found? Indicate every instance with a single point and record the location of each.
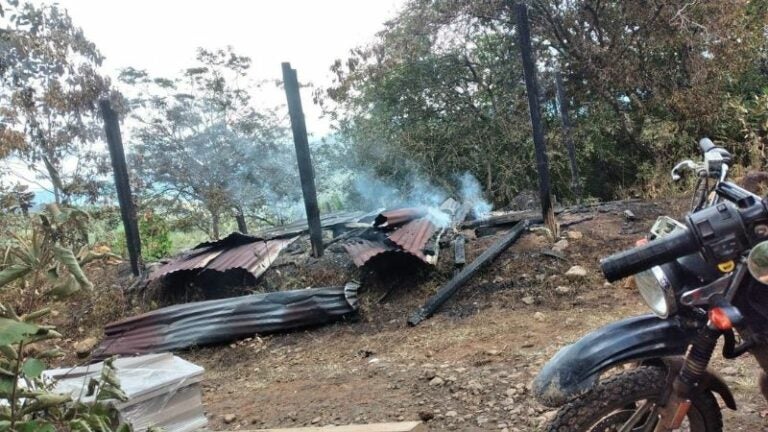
(122, 185)
(567, 137)
(532, 89)
(303, 157)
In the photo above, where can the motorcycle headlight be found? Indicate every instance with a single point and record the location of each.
(655, 287)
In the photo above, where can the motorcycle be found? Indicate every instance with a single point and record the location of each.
(705, 280)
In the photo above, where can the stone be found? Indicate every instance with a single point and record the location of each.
(316, 420)
(436, 381)
(528, 300)
(574, 235)
(576, 272)
(84, 347)
(560, 246)
(229, 418)
(564, 290)
(451, 413)
(538, 316)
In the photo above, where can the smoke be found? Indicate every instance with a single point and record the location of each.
(372, 193)
(472, 193)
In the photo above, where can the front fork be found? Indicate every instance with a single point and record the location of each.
(676, 402)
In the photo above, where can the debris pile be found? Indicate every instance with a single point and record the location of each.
(163, 391)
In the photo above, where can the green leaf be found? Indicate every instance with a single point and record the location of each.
(33, 368)
(12, 332)
(11, 273)
(67, 258)
(6, 385)
(34, 426)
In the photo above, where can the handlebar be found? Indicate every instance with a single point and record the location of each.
(656, 252)
(705, 144)
(721, 233)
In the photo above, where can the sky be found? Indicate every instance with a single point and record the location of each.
(161, 36)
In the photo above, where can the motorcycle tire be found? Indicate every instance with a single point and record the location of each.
(614, 398)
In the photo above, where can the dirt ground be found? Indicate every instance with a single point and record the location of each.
(467, 369)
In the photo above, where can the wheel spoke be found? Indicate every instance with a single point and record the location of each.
(629, 425)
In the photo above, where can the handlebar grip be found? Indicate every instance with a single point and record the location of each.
(705, 144)
(656, 252)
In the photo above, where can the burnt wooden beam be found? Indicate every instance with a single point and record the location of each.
(122, 184)
(449, 289)
(502, 219)
(459, 255)
(532, 89)
(303, 157)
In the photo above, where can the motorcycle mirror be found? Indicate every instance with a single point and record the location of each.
(757, 262)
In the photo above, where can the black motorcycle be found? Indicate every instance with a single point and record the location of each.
(702, 279)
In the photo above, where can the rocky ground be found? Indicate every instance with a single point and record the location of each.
(466, 369)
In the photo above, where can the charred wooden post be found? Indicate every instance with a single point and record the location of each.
(567, 136)
(450, 288)
(532, 88)
(459, 255)
(306, 172)
(122, 185)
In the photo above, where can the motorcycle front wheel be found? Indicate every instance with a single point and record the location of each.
(624, 401)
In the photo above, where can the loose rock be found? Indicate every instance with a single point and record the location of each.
(528, 300)
(574, 235)
(84, 347)
(229, 418)
(436, 381)
(564, 290)
(576, 272)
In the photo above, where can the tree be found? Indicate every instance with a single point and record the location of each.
(49, 86)
(200, 138)
(440, 90)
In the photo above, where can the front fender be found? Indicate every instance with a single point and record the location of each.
(576, 367)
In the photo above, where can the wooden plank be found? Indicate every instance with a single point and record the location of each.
(414, 426)
(303, 157)
(449, 289)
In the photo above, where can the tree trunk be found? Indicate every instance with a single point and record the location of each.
(53, 173)
(215, 221)
(240, 218)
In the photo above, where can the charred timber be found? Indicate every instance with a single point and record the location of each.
(450, 288)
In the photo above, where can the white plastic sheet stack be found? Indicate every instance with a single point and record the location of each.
(163, 390)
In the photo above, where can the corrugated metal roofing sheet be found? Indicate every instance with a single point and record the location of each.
(395, 217)
(413, 229)
(413, 236)
(362, 250)
(249, 253)
(301, 226)
(215, 321)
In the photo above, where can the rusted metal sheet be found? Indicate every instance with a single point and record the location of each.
(404, 231)
(217, 321)
(396, 217)
(237, 250)
(301, 226)
(413, 237)
(362, 250)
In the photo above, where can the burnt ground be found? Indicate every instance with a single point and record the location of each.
(468, 368)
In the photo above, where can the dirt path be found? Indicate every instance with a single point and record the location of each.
(466, 369)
